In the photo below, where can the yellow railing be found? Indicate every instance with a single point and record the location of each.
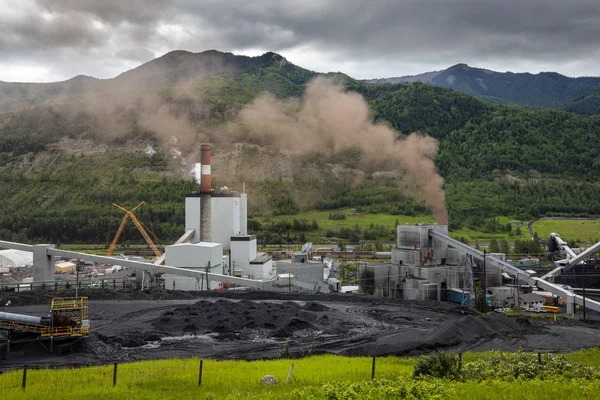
(68, 303)
(79, 306)
(22, 326)
(65, 331)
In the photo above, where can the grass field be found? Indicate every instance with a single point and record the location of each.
(353, 218)
(581, 231)
(312, 379)
(365, 220)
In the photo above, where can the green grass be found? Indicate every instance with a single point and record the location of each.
(483, 238)
(353, 218)
(177, 379)
(583, 231)
(363, 220)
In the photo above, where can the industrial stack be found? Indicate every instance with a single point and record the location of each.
(219, 223)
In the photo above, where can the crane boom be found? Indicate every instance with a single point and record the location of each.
(116, 239)
(145, 235)
(129, 214)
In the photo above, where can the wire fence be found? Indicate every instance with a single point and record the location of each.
(207, 373)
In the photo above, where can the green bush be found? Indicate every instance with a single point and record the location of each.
(525, 366)
(438, 365)
(372, 390)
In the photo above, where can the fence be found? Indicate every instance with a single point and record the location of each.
(108, 283)
(206, 373)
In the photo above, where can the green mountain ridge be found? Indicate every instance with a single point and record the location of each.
(546, 90)
(496, 159)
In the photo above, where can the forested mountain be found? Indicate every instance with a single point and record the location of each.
(173, 68)
(477, 138)
(586, 105)
(71, 152)
(546, 90)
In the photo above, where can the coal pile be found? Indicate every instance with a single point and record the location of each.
(227, 317)
(469, 329)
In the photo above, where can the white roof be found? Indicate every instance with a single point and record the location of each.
(15, 258)
(198, 244)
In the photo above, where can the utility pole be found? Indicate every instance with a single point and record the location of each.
(484, 283)
(79, 267)
(518, 305)
(584, 289)
(484, 275)
(207, 271)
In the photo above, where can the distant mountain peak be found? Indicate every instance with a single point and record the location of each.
(545, 90)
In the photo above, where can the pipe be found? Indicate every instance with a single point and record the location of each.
(205, 194)
(25, 319)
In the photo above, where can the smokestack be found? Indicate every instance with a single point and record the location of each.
(205, 194)
(205, 168)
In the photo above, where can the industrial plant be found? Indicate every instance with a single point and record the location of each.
(217, 253)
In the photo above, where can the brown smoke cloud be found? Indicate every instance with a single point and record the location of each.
(328, 120)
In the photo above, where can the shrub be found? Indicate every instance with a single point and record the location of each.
(438, 365)
(372, 390)
(525, 366)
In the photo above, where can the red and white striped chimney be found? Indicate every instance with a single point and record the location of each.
(205, 194)
(205, 185)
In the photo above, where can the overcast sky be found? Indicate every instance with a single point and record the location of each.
(50, 40)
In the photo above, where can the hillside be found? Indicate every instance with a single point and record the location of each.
(174, 68)
(64, 160)
(586, 105)
(546, 90)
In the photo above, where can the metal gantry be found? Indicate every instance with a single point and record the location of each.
(468, 285)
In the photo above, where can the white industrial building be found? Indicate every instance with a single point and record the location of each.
(205, 256)
(229, 216)
(306, 275)
(15, 258)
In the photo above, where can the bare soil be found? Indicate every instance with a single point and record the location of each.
(131, 326)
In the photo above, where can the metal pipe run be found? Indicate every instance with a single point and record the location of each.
(25, 319)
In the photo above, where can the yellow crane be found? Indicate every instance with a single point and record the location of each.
(138, 224)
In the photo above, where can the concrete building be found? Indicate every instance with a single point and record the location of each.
(424, 267)
(228, 215)
(307, 275)
(504, 296)
(207, 256)
(531, 301)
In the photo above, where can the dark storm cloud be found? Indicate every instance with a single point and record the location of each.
(365, 39)
(412, 28)
(36, 33)
(113, 11)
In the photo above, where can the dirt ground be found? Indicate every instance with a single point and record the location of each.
(131, 326)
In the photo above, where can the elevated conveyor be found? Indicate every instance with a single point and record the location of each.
(521, 275)
(198, 273)
(572, 258)
(562, 265)
(583, 255)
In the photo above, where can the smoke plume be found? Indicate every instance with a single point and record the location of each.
(328, 120)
